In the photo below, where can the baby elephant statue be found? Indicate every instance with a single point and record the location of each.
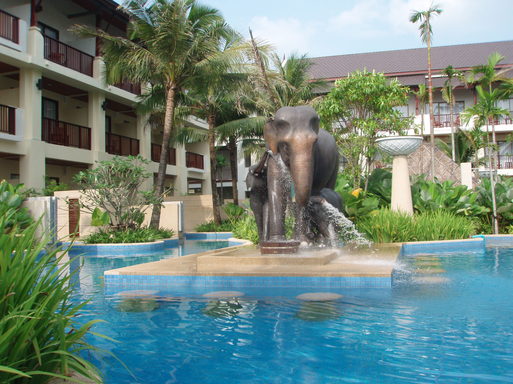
(256, 181)
(322, 212)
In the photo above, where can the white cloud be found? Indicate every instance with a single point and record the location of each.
(286, 35)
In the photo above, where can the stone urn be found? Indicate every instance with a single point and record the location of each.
(400, 147)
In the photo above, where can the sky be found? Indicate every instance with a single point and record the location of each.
(338, 27)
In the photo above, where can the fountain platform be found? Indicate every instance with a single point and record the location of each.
(342, 267)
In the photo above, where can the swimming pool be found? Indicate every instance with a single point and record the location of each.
(447, 319)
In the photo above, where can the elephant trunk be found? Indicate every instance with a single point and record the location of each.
(301, 170)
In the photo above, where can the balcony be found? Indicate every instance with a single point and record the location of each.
(7, 119)
(121, 145)
(194, 160)
(444, 120)
(505, 162)
(155, 154)
(67, 134)
(129, 87)
(68, 56)
(9, 27)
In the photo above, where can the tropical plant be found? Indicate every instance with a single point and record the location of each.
(51, 186)
(386, 226)
(40, 336)
(448, 96)
(426, 33)
(113, 187)
(423, 98)
(167, 41)
(356, 111)
(211, 226)
(12, 197)
(246, 228)
(504, 200)
(135, 235)
(430, 196)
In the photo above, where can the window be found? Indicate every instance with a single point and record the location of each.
(443, 108)
(108, 124)
(403, 110)
(50, 109)
(48, 31)
(247, 160)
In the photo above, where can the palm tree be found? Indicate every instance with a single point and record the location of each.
(448, 95)
(422, 96)
(485, 112)
(166, 42)
(424, 17)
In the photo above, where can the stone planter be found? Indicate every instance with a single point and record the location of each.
(399, 147)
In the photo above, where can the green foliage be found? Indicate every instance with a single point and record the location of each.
(11, 198)
(113, 187)
(457, 199)
(99, 218)
(504, 200)
(136, 235)
(246, 228)
(357, 110)
(233, 211)
(52, 186)
(211, 226)
(380, 185)
(355, 203)
(39, 335)
(386, 226)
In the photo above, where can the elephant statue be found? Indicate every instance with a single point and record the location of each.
(256, 182)
(297, 146)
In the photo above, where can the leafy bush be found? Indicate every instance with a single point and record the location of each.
(52, 186)
(138, 235)
(39, 335)
(458, 199)
(11, 199)
(211, 226)
(503, 197)
(386, 226)
(246, 228)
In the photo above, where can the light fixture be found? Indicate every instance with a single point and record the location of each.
(104, 105)
(39, 84)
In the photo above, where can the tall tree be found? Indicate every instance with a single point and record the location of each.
(448, 95)
(485, 112)
(167, 40)
(426, 33)
(422, 98)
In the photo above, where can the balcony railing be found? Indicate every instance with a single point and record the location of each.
(7, 119)
(155, 154)
(68, 56)
(505, 162)
(193, 160)
(502, 120)
(445, 120)
(121, 145)
(129, 87)
(9, 27)
(62, 133)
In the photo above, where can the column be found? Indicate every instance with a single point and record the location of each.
(181, 172)
(144, 137)
(401, 189)
(96, 121)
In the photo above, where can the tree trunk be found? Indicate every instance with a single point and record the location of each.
(431, 110)
(232, 147)
(161, 175)
(493, 162)
(213, 165)
(451, 117)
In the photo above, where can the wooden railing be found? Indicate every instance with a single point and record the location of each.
(505, 162)
(129, 87)
(9, 27)
(502, 120)
(121, 145)
(62, 133)
(68, 56)
(444, 120)
(7, 119)
(193, 160)
(155, 154)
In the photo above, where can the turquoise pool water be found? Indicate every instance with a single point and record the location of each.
(447, 319)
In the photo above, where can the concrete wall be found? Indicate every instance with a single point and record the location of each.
(43, 208)
(170, 217)
(197, 210)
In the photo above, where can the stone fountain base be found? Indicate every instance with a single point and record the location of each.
(279, 247)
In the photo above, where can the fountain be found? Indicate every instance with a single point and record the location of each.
(400, 147)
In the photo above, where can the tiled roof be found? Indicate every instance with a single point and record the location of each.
(409, 62)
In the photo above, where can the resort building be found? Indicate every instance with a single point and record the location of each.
(409, 66)
(58, 115)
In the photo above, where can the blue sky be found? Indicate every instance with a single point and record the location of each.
(334, 27)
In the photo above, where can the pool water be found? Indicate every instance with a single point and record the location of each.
(447, 319)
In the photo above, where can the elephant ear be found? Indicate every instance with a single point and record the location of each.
(271, 136)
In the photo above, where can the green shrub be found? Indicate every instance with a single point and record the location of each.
(138, 235)
(211, 226)
(386, 226)
(11, 199)
(504, 201)
(246, 228)
(39, 335)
